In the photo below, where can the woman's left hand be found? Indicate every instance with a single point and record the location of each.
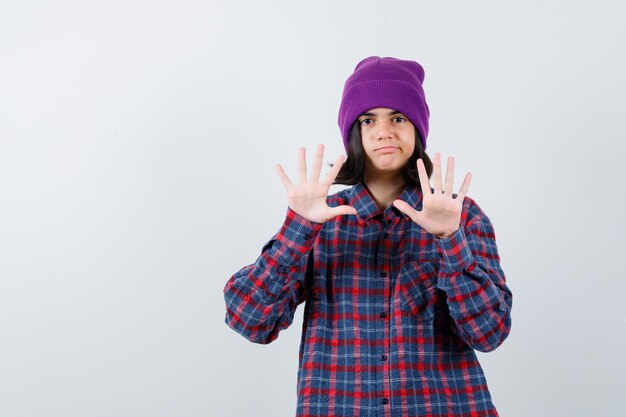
(441, 213)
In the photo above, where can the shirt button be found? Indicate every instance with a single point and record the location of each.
(383, 358)
(385, 235)
(385, 400)
(383, 274)
(383, 315)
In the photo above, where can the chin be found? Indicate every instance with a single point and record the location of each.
(390, 167)
(389, 170)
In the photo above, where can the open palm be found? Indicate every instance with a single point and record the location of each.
(441, 212)
(308, 196)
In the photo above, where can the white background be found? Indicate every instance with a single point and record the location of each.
(138, 143)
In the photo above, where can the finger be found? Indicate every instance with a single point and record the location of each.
(465, 186)
(437, 174)
(424, 180)
(450, 176)
(283, 177)
(332, 174)
(302, 165)
(406, 208)
(317, 163)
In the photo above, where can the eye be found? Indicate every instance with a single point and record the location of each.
(365, 121)
(402, 119)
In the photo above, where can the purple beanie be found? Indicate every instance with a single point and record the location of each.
(384, 82)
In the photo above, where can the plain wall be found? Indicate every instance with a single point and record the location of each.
(137, 149)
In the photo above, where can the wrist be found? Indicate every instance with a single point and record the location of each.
(446, 234)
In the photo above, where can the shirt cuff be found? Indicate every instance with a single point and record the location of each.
(298, 233)
(455, 251)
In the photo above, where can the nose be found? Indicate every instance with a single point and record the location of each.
(385, 130)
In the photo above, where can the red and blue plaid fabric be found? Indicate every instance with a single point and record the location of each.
(393, 315)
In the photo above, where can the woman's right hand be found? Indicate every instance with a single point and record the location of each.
(308, 197)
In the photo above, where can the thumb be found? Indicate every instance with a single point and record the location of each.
(406, 208)
(342, 210)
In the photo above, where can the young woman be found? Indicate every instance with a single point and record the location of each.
(402, 282)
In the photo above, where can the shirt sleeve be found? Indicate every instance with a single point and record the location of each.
(261, 298)
(478, 297)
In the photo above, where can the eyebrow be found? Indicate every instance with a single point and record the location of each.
(391, 113)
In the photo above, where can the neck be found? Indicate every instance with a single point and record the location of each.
(385, 190)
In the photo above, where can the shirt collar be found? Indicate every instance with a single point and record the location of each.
(361, 199)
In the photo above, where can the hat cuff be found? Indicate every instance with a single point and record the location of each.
(395, 94)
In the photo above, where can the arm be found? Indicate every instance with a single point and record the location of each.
(261, 298)
(478, 298)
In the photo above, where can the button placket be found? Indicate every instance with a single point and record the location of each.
(385, 250)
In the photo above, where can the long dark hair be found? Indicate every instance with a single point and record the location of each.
(353, 170)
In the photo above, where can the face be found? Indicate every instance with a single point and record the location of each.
(388, 140)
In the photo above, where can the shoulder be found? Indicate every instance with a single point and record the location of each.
(473, 215)
(341, 197)
(470, 206)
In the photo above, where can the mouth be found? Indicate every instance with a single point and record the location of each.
(387, 149)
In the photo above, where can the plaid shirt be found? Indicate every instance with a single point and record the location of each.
(393, 314)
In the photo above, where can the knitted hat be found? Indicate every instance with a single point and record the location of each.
(384, 82)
